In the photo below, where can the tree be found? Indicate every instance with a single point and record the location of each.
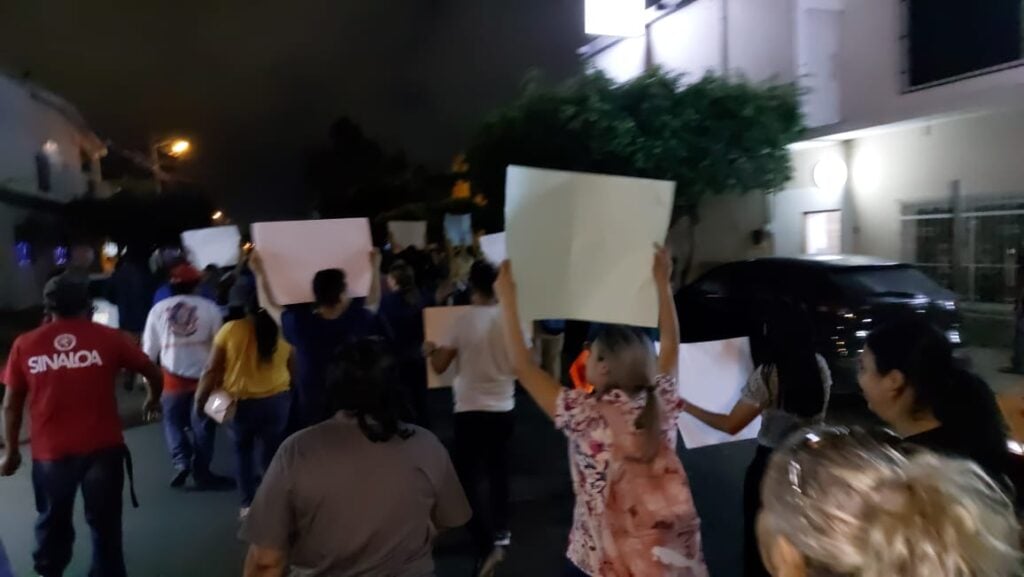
(719, 135)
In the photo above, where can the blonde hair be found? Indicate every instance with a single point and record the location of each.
(854, 505)
(631, 366)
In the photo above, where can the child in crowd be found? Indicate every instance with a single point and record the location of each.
(634, 513)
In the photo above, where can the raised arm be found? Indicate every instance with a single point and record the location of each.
(543, 387)
(268, 301)
(668, 322)
(373, 298)
(739, 417)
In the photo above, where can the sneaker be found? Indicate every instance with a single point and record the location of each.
(213, 482)
(490, 564)
(502, 538)
(179, 478)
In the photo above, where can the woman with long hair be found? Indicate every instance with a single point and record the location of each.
(912, 382)
(856, 504)
(789, 390)
(362, 493)
(401, 308)
(250, 361)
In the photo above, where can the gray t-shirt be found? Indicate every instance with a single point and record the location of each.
(777, 424)
(340, 505)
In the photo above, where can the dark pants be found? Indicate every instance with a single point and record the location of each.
(309, 406)
(752, 564)
(1018, 345)
(481, 452)
(264, 420)
(101, 478)
(189, 435)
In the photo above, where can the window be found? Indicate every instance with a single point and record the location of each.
(952, 39)
(43, 172)
(823, 232)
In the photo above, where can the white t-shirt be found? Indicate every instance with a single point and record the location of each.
(484, 379)
(179, 332)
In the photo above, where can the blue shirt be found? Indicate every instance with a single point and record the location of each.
(316, 340)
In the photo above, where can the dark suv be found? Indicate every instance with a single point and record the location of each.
(846, 297)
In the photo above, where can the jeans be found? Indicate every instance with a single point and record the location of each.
(752, 564)
(5, 563)
(481, 451)
(101, 478)
(264, 420)
(189, 435)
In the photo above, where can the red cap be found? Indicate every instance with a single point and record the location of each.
(184, 274)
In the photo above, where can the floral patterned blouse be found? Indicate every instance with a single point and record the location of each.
(577, 415)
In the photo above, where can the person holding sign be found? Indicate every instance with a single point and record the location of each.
(484, 391)
(789, 390)
(401, 307)
(317, 332)
(634, 513)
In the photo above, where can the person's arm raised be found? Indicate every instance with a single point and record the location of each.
(668, 321)
(741, 415)
(373, 297)
(544, 388)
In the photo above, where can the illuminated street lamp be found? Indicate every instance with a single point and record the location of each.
(217, 216)
(174, 147)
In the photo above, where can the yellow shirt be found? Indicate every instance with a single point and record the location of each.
(245, 375)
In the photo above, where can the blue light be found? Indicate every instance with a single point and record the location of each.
(60, 255)
(24, 253)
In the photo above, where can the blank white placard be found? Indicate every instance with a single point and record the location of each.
(219, 246)
(711, 376)
(493, 247)
(437, 323)
(406, 233)
(582, 245)
(293, 251)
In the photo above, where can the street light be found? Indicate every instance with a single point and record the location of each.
(217, 215)
(175, 147)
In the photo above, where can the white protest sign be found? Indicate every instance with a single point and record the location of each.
(582, 245)
(293, 251)
(711, 376)
(406, 233)
(437, 324)
(219, 246)
(493, 247)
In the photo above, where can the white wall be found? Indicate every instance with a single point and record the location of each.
(623, 60)
(691, 40)
(760, 39)
(25, 125)
(801, 196)
(918, 164)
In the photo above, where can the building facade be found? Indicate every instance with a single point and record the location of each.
(915, 115)
(48, 157)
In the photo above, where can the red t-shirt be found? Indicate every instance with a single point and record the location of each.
(69, 368)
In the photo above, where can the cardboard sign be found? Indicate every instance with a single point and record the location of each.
(711, 376)
(406, 233)
(437, 323)
(458, 229)
(582, 245)
(293, 251)
(219, 246)
(493, 247)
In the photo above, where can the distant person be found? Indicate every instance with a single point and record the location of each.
(484, 392)
(634, 513)
(207, 287)
(401, 307)
(179, 335)
(912, 382)
(840, 502)
(789, 391)
(250, 361)
(66, 369)
(129, 289)
(317, 331)
(359, 494)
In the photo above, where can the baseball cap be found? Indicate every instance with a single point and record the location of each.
(185, 273)
(67, 294)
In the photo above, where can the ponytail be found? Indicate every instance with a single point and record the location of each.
(267, 331)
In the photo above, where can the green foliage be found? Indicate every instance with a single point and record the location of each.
(716, 136)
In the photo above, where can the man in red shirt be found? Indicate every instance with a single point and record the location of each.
(67, 370)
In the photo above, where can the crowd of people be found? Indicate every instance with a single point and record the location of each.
(338, 472)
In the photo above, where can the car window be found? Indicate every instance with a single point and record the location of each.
(722, 281)
(888, 281)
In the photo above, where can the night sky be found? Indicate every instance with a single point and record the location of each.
(256, 84)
